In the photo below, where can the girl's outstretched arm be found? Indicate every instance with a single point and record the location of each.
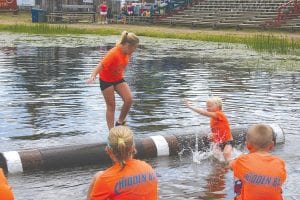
(199, 110)
(94, 73)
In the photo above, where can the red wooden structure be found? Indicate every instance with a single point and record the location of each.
(8, 5)
(286, 11)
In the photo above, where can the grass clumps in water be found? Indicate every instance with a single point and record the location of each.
(272, 44)
(260, 42)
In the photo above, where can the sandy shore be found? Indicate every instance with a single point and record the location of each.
(25, 17)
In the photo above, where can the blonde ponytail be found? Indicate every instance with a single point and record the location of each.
(129, 38)
(120, 140)
(122, 152)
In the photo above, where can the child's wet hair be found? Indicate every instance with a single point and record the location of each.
(216, 100)
(260, 136)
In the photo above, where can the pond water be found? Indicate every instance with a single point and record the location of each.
(45, 102)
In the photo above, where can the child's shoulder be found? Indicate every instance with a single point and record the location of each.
(246, 157)
(260, 157)
(277, 158)
(220, 112)
(240, 159)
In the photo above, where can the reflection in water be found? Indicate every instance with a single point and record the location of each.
(45, 102)
(48, 87)
(215, 182)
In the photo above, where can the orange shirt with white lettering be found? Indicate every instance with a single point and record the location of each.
(220, 128)
(5, 190)
(261, 176)
(137, 180)
(113, 65)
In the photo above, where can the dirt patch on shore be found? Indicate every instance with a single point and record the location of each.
(25, 17)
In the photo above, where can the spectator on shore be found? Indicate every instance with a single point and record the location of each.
(103, 13)
(124, 13)
(109, 15)
(130, 9)
(147, 13)
(136, 9)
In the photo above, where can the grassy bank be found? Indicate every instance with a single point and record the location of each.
(258, 41)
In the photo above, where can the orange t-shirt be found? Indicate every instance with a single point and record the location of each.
(137, 180)
(220, 128)
(261, 175)
(5, 189)
(113, 65)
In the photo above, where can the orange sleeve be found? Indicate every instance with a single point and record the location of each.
(218, 115)
(283, 173)
(237, 168)
(2, 177)
(5, 189)
(232, 164)
(100, 190)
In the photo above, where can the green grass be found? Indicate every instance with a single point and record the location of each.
(259, 42)
(56, 29)
(272, 44)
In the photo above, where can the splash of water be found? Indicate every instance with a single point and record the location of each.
(214, 151)
(199, 156)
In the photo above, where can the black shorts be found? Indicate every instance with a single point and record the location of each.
(104, 84)
(222, 145)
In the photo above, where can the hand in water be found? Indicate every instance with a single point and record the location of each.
(90, 80)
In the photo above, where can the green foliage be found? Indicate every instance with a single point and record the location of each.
(273, 43)
(260, 42)
(54, 29)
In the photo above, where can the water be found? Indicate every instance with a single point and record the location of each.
(45, 102)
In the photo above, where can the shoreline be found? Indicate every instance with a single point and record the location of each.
(268, 41)
(7, 18)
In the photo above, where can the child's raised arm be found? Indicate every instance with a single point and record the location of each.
(198, 110)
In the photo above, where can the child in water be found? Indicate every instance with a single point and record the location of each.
(220, 129)
(258, 174)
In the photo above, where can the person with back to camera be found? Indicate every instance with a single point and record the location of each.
(258, 175)
(220, 128)
(111, 74)
(5, 190)
(128, 178)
